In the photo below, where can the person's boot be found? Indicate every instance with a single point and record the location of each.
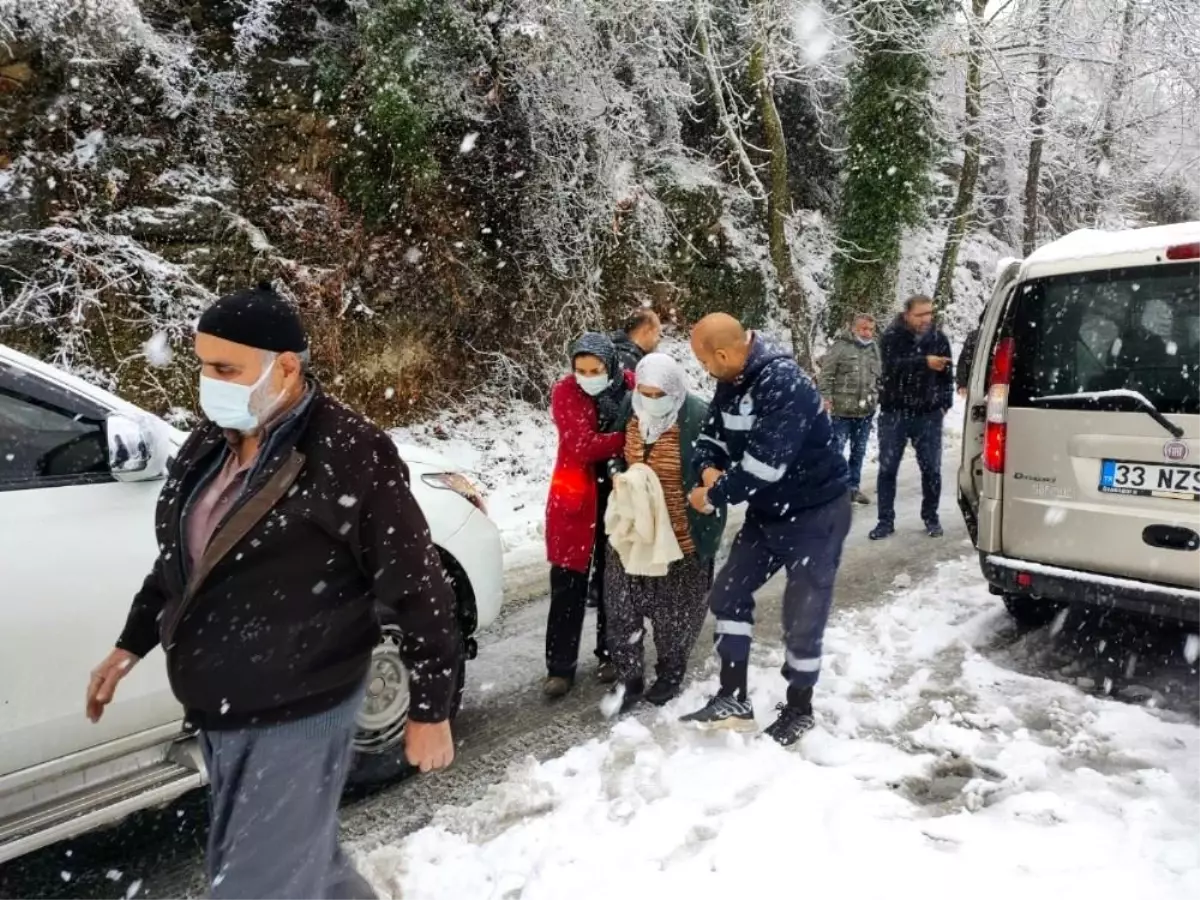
(882, 531)
(860, 498)
(933, 528)
(622, 698)
(606, 672)
(556, 686)
(663, 691)
(795, 718)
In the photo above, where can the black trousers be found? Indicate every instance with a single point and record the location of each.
(568, 606)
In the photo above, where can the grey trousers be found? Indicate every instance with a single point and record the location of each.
(273, 797)
(675, 604)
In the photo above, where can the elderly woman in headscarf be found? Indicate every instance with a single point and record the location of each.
(662, 435)
(590, 408)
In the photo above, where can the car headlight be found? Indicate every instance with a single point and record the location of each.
(460, 484)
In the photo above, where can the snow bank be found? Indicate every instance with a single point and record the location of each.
(931, 769)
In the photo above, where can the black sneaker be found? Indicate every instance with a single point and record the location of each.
(860, 498)
(723, 713)
(791, 725)
(662, 692)
(606, 672)
(881, 531)
(934, 529)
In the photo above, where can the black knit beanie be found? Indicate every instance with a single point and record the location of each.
(256, 317)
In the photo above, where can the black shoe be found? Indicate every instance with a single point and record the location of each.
(623, 698)
(881, 531)
(860, 498)
(934, 529)
(724, 713)
(663, 691)
(793, 723)
(606, 672)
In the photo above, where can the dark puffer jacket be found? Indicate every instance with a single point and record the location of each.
(909, 386)
(768, 433)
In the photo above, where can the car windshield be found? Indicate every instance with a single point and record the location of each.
(1098, 334)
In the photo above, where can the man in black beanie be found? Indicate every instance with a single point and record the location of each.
(285, 519)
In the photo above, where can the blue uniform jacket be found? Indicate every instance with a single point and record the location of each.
(768, 432)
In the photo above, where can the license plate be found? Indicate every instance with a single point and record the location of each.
(1150, 480)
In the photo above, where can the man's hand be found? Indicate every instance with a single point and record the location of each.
(699, 501)
(104, 681)
(938, 363)
(962, 392)
(429, 745)
(710, 476)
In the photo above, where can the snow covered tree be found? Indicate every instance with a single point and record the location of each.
(890, 146)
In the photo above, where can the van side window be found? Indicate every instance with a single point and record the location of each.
(42, 443)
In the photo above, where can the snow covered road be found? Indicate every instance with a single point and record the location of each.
(945, 738)
(932, 768)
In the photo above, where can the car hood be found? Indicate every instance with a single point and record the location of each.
(424, 457)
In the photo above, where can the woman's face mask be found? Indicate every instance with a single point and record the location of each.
(593, 385)
(658, 407)
(236, 406)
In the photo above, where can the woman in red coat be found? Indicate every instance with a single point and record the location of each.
(590, 408)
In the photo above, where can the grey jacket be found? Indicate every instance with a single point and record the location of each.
(849, 377)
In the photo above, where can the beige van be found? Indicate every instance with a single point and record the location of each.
(1080, 471)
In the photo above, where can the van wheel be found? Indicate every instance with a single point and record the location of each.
(1030, 611)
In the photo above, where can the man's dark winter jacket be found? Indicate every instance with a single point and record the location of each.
(628, 352)
(277, 620)
(768, 433)
(909, 386)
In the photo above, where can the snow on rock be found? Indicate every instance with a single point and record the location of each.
(930, 766)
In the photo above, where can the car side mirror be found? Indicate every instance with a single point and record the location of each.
(138, 449)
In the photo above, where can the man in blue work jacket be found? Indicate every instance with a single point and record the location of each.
(767, 443)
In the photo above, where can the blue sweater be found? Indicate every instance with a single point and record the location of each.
(767, 431)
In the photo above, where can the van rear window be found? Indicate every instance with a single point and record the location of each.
(1118, 329)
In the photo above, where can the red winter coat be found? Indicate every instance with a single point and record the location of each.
(571, 511)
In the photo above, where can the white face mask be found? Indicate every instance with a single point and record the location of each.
(658, 407)
(236, 406)
(593, 385)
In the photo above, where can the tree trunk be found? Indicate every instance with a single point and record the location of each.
(1101, 190)
(964, 203)
(1037, 123)
(716, 85)
(778, 207)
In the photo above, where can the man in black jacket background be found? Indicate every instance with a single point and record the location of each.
(285, 519)
(916, 392)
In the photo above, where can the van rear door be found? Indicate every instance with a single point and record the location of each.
(1102, 467)
(980, 507)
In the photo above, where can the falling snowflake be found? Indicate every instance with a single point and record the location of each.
(158, 350)
(1191, 649)
(468, 142)
(347, 500)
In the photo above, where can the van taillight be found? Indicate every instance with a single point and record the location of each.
(1184, 251)
(995, 434)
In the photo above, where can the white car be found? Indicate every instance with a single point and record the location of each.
(80, 472)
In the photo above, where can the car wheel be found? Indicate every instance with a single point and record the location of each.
(1030, 611)
(379, 738)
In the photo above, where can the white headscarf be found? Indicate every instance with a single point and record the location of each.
(657, 370)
